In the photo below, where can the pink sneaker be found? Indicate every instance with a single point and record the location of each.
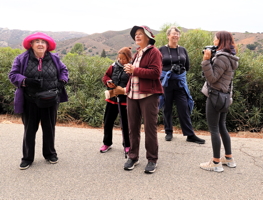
(105, 148)
(127, 149)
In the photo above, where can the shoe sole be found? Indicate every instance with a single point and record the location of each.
(23, 168)
(150, 172)
(52, 162)
(212, 170)
(195, 141)
(104, 151)
(131, 168)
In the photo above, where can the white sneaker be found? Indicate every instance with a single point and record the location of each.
(230, 163)
(211, 166)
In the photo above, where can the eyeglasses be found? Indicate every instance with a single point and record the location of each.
(175, 34)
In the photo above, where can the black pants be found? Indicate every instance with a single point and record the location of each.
(110, 116)
(173, 93)
(217, 127)
(31, 117)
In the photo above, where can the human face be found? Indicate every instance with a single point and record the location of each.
(122, 59)
(39, 47)
(174, 36)
(216, 41)
(141, 38)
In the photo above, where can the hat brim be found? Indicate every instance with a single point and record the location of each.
(27, 41)
(135, 28)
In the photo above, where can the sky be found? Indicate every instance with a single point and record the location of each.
(97, 16)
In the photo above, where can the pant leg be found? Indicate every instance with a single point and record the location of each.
(213, 120)
(134, 121)
(110, 116)
(149, 109)
(125, 126)
(168, 108)
(30, 118)
(224, 134)
(48, 122)
(183, 111)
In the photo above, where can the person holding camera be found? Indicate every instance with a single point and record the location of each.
(143, 90)
(116, 80)
(175, 62)
(219, 72)
(34, 72)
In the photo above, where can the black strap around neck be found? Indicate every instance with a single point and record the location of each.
(171, 54)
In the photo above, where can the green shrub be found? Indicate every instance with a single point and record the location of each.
(7, 56)
(246, 111)
(85, 89)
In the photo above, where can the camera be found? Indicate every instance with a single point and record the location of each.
(212, 48)
(177, 69)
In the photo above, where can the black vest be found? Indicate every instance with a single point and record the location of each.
(48, 73)
(120, 78)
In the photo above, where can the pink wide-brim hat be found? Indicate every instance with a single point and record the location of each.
(51, 43)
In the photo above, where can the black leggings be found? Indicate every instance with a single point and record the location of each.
(217, 127)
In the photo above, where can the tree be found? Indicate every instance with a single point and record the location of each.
(103, 54)
(252, 46)
(78, 48)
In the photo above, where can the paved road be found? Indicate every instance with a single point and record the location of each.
(84, 173)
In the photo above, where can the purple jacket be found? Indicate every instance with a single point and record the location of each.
(16, 77)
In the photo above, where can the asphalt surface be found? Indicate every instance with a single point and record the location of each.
(85, 173)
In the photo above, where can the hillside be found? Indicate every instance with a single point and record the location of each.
(110, 41)
(13, 37)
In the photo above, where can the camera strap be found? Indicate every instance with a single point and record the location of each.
(178, 54)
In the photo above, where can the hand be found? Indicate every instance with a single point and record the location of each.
(109, 94)
(118, 90)
(129, 68)
(207, 54)
(60, 84)
(110, 84)
(32, 82)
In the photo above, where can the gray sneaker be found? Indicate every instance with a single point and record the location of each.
(228, 162)
(150, 168)
(130, 164)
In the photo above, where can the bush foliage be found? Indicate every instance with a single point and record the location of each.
(86, 90)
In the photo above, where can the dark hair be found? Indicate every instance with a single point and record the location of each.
(226, 41)
(126, 51)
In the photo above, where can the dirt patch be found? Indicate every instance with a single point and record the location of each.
(249, 40)
(16, 119)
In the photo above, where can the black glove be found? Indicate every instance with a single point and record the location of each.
(32, 82)
(60, 84)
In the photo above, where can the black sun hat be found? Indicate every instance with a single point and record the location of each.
(146, 30)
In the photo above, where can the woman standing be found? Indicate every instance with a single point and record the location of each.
(143, 89)
(116, 80)
(34, 71)
(219, 74)
(175, 64)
